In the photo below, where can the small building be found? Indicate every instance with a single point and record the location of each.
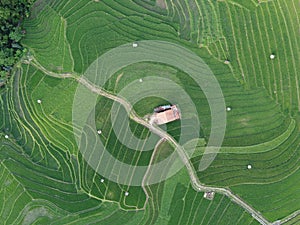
(165, 114)
(209, 195)
(162, 108)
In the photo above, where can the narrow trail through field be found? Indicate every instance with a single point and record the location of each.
(161, 133)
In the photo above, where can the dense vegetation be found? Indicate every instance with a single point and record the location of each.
(12, 13)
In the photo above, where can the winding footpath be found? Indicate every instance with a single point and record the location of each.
(196, 184)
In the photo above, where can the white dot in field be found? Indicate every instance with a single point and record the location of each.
(99, 131)
(272, 56)
(135, 45)
(126, 193)
(226, 61)
(6, 136)
(102, 180)
(39, 101)
(249, 167)
(141, 80)
(228, 109)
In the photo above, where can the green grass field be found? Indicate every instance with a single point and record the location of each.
(44, 177)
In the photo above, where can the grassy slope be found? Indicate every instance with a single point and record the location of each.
(48, 41)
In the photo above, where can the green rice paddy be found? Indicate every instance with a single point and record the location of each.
(44, 177)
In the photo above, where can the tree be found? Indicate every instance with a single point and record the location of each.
(12, 13)
(16, 35)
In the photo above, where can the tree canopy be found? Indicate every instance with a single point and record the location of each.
(12, 13)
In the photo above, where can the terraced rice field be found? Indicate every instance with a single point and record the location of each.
(45, 178)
